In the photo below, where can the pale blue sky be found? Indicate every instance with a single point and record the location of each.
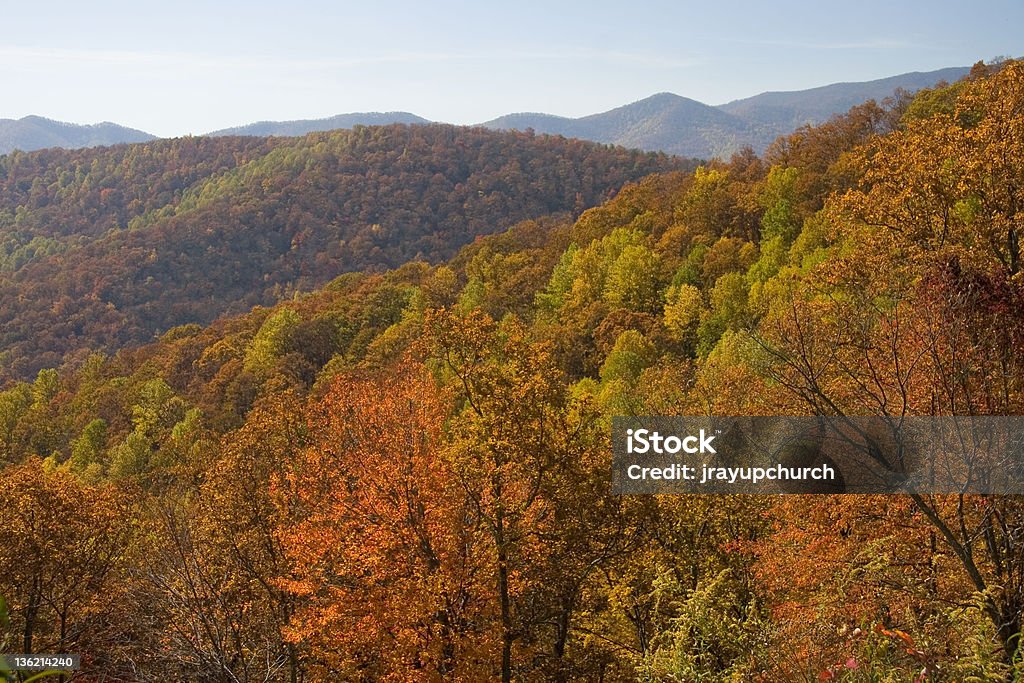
(191, 66)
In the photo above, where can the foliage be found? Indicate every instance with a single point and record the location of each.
(403, 474)
(109, 247)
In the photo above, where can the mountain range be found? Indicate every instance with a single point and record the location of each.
(304, 126)
(35, 132)
(678, 125)
(664, 122)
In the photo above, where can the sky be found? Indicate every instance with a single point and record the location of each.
(190, 67)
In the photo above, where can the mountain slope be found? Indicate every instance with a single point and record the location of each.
(544, 124)
(785, 111)
(304, 126)
(679, 125)
(675, 124)
(662, 122)
(35, 132)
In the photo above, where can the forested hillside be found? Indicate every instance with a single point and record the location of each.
(405, 475)
(104, 248)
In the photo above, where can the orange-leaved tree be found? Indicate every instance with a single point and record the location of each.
(383, 549)
(62, 549)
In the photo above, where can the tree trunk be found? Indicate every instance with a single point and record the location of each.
(503, 593)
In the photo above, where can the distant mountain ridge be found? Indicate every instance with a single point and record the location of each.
(795, 108)
(678, 125)
(35, 132)
(304, 126)
(664, 122)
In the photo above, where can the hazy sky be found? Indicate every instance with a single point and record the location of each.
(186, 66)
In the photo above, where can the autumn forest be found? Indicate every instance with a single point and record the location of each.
(338, 407)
